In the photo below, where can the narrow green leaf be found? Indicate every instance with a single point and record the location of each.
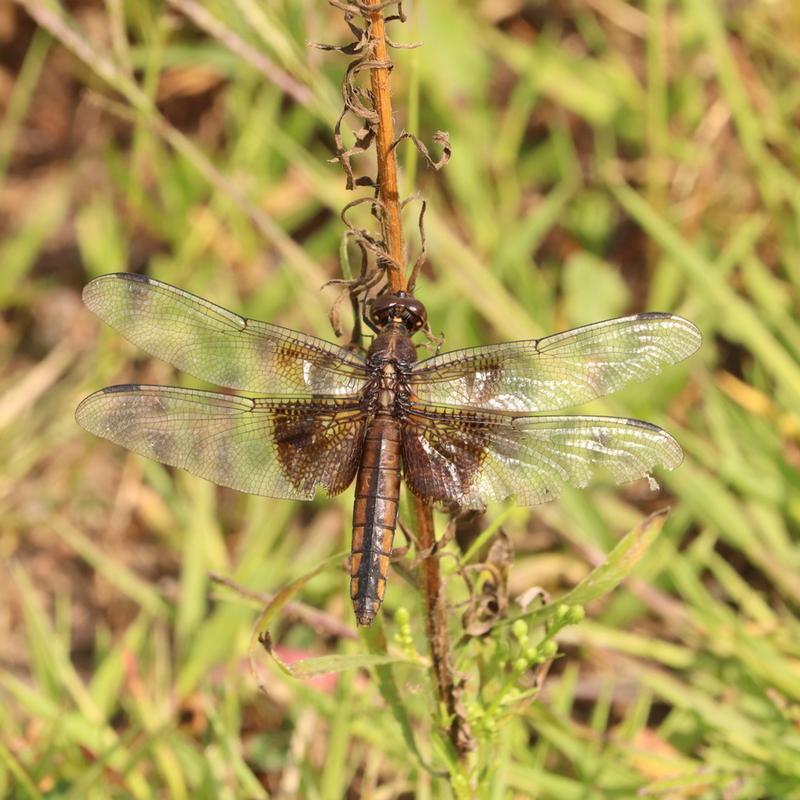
(619, 564)
(310, 667)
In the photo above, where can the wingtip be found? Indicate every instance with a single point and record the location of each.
(90, 290)
(676, 452)
(92, 286)
(90, 398)
(81, 408)
(695, 334)
(673, 452)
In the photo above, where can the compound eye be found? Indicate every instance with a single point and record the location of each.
(382, 309)
(379, 313)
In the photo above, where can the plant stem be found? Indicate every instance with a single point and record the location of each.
(438, 639)
(387, 160)
(436, 617)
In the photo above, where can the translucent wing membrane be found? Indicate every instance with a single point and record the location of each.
(468, 457)
(272, 447)
(219, 346)
(559, 371)
(468, 434)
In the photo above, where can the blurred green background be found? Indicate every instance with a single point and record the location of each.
(608, 157)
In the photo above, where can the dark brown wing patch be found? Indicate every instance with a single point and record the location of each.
(468, 457)
(443, 452)
(266, 446)
(312, 445)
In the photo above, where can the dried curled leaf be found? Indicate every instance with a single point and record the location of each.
(358, 100)
(490, 603)
(441, 138)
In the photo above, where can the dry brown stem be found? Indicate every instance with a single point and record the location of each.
(375, 109)
(387, 160)
(447, 687)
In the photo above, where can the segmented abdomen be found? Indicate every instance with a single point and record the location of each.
(374, 516)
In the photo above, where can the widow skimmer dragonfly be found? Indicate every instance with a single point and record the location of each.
(462, 427)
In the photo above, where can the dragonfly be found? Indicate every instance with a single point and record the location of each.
(461, 428)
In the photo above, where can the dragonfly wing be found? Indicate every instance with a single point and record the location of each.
(218, 346)
(274, 447)
(468, 457)
(559, 371)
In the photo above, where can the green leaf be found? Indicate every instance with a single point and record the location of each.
(310, 667)
(619, 564)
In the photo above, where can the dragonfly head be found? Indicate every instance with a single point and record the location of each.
(398, 307)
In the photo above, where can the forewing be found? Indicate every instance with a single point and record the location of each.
(559, 371)
(271, 447)
(467, 458)
(218, 346)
